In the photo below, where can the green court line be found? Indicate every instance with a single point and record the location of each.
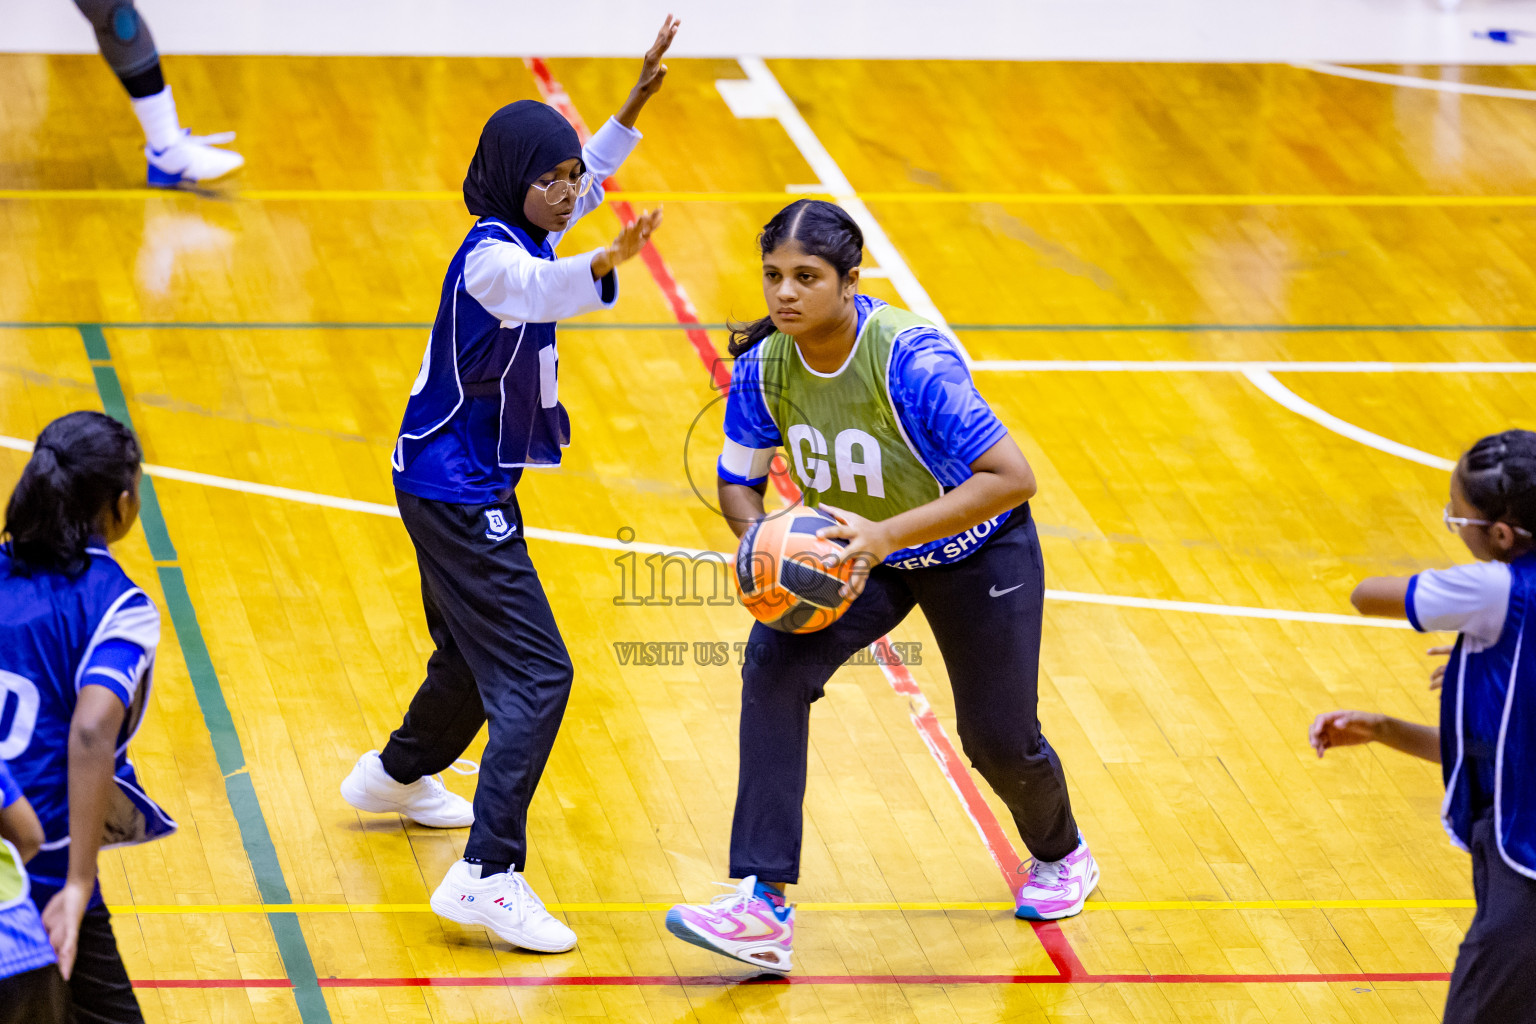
(1190, 328)
(254, 834)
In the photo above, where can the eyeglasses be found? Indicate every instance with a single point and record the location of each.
(1454, 523)
(556, 191)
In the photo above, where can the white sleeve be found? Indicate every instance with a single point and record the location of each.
(602, 155)
(1471, 599)
(608, 149)
(520, 288)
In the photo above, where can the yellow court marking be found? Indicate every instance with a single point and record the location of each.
(915, 198)
(633, 908)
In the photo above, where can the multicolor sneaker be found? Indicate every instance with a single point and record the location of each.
(1058, 888)
(752, 924)
(192, 158)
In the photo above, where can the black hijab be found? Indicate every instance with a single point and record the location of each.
(520, 142)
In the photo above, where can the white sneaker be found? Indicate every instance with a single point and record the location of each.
(192, 158)
(426, 801)
(503, 903)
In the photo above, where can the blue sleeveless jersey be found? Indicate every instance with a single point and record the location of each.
(53, 631)
(484, 405)
(1488, 731)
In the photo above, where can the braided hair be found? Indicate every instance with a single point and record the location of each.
(80, 464)
(1498, 477)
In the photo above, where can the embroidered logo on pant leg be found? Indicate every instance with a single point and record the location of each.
(499, 528)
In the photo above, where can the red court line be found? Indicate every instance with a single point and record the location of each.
(214, 983)
(682, 307)
(1052, 939)
(1050, 935)
(721, 980)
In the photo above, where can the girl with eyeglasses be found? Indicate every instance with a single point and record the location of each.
(484, 407)
(1486, 740)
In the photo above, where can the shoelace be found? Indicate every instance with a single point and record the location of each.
(216, 139)
(1048, 874)
(521, 897)
(435, 782)
(734, 901)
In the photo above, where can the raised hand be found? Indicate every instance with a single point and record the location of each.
(652, 73)
(629, 242)
(652, 70)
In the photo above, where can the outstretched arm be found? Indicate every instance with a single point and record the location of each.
(1350, 728)
(652, 73)
(1386, 596)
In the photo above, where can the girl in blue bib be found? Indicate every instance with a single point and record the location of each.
(1486, 740)
(77, 654)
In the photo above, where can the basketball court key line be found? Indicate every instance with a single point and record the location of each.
(1266, 382)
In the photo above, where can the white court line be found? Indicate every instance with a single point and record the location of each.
(780, 106)
(1227, 610)
(1260, 374)
(1235, 366)
(1266, 382)
(1415, 82)
(225, 483)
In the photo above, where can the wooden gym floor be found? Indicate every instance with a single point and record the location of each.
(1186, 227)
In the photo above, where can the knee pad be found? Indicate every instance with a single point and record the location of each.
(122, 35)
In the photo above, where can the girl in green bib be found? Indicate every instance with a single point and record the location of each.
(878, 416)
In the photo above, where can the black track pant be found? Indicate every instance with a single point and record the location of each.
(985, 612)
(499, 660)
(1495, 976)
(98, 983)
(36, 997)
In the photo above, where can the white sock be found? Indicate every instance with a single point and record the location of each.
(157, 114)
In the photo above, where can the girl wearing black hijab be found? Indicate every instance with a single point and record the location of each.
(483, 407)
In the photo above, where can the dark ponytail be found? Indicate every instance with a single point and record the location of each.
(823, 229)
(81, 463)
(1498, 477)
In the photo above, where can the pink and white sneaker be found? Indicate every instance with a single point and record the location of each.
(1059, 888)
(752, 924)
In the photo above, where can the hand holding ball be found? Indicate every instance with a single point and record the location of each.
(783, 572)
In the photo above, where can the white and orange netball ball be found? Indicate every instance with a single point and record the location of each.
(784, 572)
